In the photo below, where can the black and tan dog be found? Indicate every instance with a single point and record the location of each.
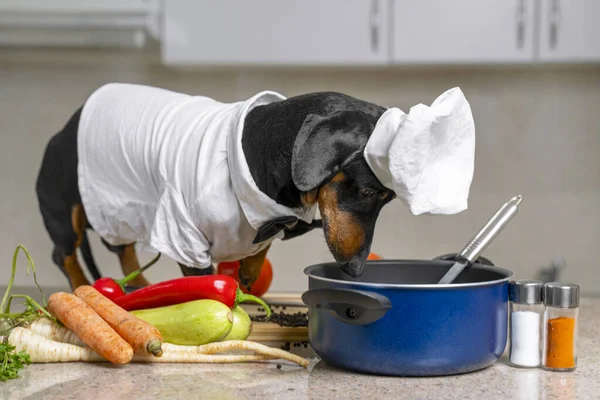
(331, 165)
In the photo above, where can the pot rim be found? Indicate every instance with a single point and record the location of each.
(509, 274)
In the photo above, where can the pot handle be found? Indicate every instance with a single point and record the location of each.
(356, 307)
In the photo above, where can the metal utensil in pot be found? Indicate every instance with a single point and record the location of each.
(482, 239)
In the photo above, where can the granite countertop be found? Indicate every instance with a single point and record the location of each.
(265, 381)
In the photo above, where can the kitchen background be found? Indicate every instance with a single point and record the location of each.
(530, 69)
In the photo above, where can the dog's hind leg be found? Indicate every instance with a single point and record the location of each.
(129, 262)
(70, 263)
(88, 258)
(67, 237)
(58, 197)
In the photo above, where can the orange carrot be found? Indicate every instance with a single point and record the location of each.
(142, 336)
(76, 315)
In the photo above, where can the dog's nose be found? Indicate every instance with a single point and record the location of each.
(354, 268)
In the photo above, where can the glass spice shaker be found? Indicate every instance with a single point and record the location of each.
(560, 326)
(526, 316)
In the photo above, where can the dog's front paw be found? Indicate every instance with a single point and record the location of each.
(246, 276)
(250, 268)
(245, 281)
(187, 271)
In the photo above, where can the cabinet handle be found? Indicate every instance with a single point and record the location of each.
(374, 25)
(521, 19)
(554, 22)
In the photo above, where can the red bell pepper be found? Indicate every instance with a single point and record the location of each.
(221, 288)
(115, 288)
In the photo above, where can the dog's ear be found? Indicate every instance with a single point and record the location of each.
(301, 228)
(272, 228)
(325, 144)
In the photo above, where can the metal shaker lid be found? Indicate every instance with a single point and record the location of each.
(563, 295)
(525, 291)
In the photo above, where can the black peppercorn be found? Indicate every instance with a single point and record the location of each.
(298, 319)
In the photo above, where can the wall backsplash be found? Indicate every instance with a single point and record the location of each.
(538, 134)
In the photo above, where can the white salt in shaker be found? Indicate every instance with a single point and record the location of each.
(526, 317)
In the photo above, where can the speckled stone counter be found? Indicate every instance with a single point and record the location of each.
(319, 381)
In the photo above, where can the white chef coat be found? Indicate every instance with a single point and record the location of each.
(166, 170)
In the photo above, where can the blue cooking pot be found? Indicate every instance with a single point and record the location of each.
(395, 319)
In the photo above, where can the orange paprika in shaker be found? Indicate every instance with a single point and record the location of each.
(562, 311)
(560, 350)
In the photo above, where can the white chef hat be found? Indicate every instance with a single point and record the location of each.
(426, 156)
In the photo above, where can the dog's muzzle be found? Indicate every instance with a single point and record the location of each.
(354, 267)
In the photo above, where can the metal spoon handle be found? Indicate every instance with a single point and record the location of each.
(490, 230)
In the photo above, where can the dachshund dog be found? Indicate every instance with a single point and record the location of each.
(302, 151)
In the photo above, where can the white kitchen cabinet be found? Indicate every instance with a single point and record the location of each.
(275, 32)
(463, 32)
(90, 23)
(569, 30)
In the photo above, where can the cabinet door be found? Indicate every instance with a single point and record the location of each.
(569, 30)
(275, 32)
(461, 32)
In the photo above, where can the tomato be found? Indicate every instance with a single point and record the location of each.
(263, 282)
(373, 256)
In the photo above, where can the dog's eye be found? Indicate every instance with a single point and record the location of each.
(367, 192)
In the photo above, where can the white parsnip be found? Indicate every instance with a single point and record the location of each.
(179, 357)
(232, 345)
(51, 330)
(44, 350)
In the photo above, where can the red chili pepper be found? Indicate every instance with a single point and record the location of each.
(221, 288)
(110, 288)
(115, 288)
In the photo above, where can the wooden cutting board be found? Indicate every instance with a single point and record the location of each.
(289, 303)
